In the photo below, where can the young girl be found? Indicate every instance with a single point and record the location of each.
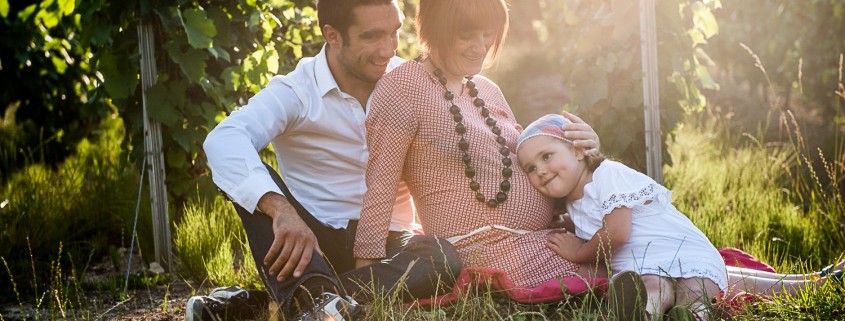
(629, 221)
(627, 214)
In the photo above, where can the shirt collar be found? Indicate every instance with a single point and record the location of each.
(322, 73)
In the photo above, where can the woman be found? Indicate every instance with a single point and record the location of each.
(451, 139)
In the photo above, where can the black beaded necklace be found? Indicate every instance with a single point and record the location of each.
(463, 144)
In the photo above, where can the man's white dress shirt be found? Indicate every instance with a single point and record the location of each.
(319, 138)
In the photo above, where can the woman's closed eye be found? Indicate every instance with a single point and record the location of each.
(469, 35)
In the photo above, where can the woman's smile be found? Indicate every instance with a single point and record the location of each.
(474, 57)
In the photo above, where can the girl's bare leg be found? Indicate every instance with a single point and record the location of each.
(697, 293)
(661, 295)
(593, 270)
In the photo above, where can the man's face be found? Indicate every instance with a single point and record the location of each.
(371, 41)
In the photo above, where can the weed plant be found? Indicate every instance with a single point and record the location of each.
(59, 296)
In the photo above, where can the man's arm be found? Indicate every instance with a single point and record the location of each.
(232, 150)
(581, 134)
(232, 146)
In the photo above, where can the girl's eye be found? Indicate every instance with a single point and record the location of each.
(547, 156)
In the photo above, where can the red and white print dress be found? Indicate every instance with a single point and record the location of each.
(411, 137)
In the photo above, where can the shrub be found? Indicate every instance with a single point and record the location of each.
(86, 203)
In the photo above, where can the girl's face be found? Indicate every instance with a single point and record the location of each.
(469, 51)
(553, 166)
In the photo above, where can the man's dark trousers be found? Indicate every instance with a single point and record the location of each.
(434, 263)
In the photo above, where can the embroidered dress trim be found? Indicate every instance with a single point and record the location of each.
(692, 269)
(651, 192)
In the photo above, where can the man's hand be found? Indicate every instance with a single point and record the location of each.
(565, 244)
(581, 134)
(293, 242)
(359, 263)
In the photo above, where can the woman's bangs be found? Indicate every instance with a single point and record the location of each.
(481, 15)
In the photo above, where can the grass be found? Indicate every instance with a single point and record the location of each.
(211, 245)
(735, 196)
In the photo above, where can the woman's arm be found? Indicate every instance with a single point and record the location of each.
(613, 234)
(581, 134)
(390, 132)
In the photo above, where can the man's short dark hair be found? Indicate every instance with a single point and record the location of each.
(338, 13)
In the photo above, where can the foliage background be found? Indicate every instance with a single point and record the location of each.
(584, 56)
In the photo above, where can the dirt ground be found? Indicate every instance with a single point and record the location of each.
(161, 302)
(164, 301)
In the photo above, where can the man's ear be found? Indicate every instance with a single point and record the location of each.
(333, 36)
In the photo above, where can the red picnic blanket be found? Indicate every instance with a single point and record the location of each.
(558, 289)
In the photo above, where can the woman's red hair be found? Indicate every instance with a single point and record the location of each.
(439, 23)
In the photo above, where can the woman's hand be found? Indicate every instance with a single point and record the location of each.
(566, 245)
(581, 134)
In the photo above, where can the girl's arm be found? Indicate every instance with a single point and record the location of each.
(613, 234)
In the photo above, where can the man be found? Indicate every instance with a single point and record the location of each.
(301, 229)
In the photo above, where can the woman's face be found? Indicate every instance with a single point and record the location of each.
(553, 166)
(469, 51)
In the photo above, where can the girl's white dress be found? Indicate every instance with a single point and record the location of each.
(663, 241)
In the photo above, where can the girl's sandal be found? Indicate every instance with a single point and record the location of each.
(627, 297)
(833, 268)
(835, 276)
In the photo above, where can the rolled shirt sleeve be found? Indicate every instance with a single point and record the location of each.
(232, 147)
